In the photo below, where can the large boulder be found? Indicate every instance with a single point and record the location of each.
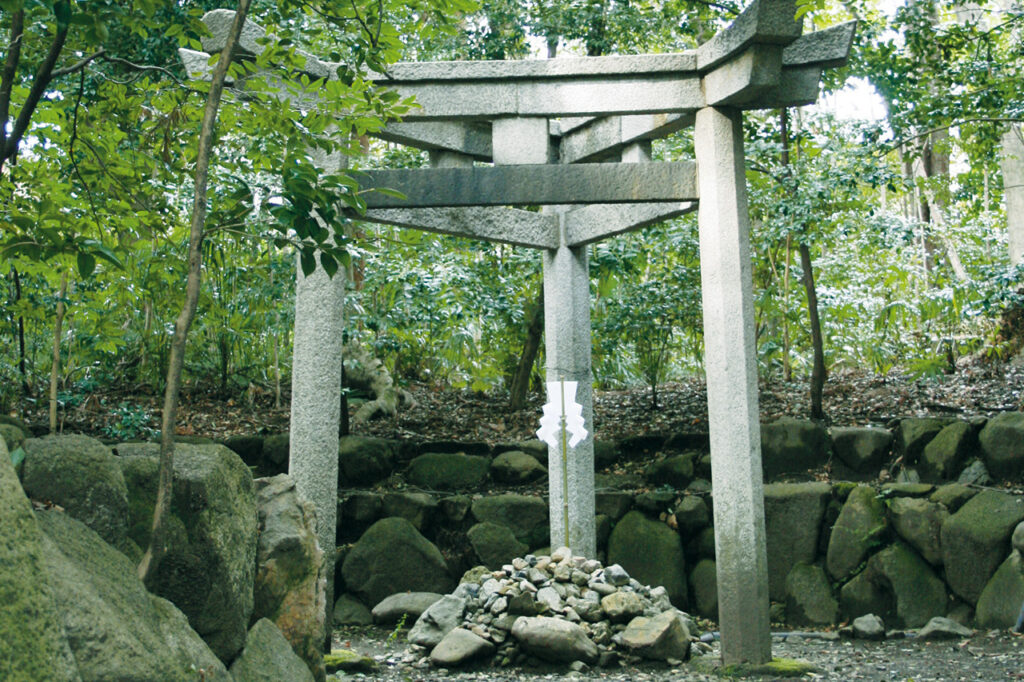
(458, 647)
(917, 594)
(861, 449)
(438, 620)
(417, 508)
(515, 467)
(675, 471)
(210, 564)
(81, 475)
(392, 556)
(495, 545)
(793, 446)
(290, 588)
(809, 598)
(448, 471)
(860, 527)
(526, 515)
(944, 456)
(555, 640)
(12, 435)
(999, 603)
(792, 517)
(1002, 445)
(704, 588)
(976, 540)
(403, 605)
(651, 552)
(660, 638)
(913, 434)
(919, 522)
(31, 626)
(116, 629)
(363, 460)
(268, 657)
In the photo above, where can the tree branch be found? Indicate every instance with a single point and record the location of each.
(39, 83)
(9, 72)
(79, 65)
(911, 138)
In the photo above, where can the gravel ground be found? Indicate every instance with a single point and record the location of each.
(990, 656)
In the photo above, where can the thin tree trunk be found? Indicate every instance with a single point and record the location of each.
(787, 366)
(158, 538)
(55, 367)
(273, 338)
(818, 364)
(26, 386)
(534, 329)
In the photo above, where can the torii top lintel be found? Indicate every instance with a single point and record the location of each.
(759, 61)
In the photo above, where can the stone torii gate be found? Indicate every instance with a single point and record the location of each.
(547, 126)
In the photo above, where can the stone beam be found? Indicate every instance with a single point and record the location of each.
(493, 224)
(603, 138)
(765, 22)
(595, 222)
(532, 185)
(471, 139)
(743, 79)
(796, 87)
(827, 49)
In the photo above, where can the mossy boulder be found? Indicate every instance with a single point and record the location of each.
(1002, 445)
(976, 539)
(918, 594)
(944, 456)
(675, 471)
(999, 603)
(495, 545)
(860, 528)
(526, 515)
(267, 657)
(83, 476)
(290, 587)
(651, 552)
(793, 446)
(862, 450)
(363, 460)
(210, 564)
(913, 434)
(448, 471)
(793, 514)
(31, 627)
(419, 509)
(809, 598)
(704, 588)
(117, 630)
(953, 496)
(249, 448)
(392, 556)
(919, 523)
(12, 435)
(274, 456)
(515, 467)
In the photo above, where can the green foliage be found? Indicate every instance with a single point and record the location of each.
(130, 421)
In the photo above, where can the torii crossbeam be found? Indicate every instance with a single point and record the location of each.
(532, 119)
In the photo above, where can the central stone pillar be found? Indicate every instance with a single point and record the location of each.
(731, 370)
(566, 347)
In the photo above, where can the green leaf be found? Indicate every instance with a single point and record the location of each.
(330, 265)
(62, 11)
(17, 456)
(308, 262)
(86, 264)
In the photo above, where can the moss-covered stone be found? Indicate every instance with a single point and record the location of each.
(793, 513)
(976, 540)
(919, 522)
(953, 496)
(999, 604)
(651, 552)
(793, 446)
(268, 657)
(363, 460)
(860, 528)
(809, 598)
(945, 455)
(526, 515)
(1002, 444)
(913, 434)
(495, 545)
(448, 471)
(30, 626)
(862, 450)
(675, 471)
(346, 660)
(704, 588)
(83, 476)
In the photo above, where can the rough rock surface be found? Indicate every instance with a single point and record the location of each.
(793, 446)
(363, 460)
(1002, 442)
(526, 515)
(1000, 601)
(976, 539)
(515, 467)
(448, 471)
(857, 530)
(913, 434)
(350, 611)
(392, 556)
(81, 475)
(290, 588)
(919, 522)
(268, 657)
(553, 639)
(210, 565)
(494, 545)
(944, 456)
(663, 637)
(459, 647)
(115, 628)
(793, 514)
(862, 449)
(651, 552)
(809, 598)
(704, 588)
(438, 620)
(409, 605)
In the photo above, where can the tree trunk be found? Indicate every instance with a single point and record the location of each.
(818, 364)
(55, 367)
(1012, 164)
(787, 366)
(26, 385)
(158, 538)
(818, 368)
(531, 347)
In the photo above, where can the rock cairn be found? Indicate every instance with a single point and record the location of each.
(555, 609)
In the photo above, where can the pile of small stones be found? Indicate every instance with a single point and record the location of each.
(557, 609)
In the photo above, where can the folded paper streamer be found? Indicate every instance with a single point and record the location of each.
(562, 404)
